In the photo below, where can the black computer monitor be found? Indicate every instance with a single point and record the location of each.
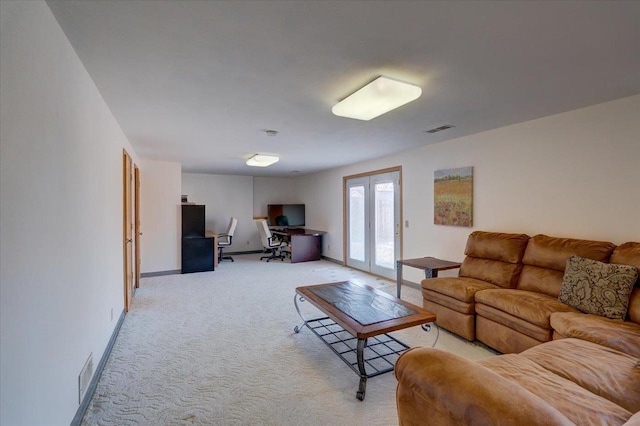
(286, 214)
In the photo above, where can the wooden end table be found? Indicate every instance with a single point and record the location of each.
(430, 265)
(359, 318)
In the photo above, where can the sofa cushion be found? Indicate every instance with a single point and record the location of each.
(622, 336)
(541, 280)
(449, 302)
(552, 252)
(601, 370)
(598, 288)
(629, 254)
(499, 273)
(535, 308)
(494, 257)
(575, 402)
(504, 326)
(633, 311)
(458, 288)
(508, 248)
(545, 259)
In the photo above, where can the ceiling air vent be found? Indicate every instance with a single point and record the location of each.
(439, 129)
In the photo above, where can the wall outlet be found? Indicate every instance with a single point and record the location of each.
(406, 223)
(248, 242)
(328, 247)
(111, 314)
(85, 377)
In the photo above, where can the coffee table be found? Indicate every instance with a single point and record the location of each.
(359, 318)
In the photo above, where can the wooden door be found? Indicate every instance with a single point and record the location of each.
(138, 232)
(127, 240)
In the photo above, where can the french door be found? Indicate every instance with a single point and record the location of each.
(373, 231)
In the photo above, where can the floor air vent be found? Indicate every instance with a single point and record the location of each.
(439, 129)
(85, 377)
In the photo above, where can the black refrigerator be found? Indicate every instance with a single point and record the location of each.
(197, 250)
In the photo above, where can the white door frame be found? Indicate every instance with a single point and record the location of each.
(370, 178)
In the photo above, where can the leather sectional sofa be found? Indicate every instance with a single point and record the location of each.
(508, 287)
(562, 382)
(560, 365)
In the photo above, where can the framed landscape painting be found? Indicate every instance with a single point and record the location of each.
(453, 197)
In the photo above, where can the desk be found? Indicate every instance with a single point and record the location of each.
(306, 244)
(209, 234)
(431, 266)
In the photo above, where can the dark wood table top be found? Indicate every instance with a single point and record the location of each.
(297, 231)
(345, 301)
(430, 263)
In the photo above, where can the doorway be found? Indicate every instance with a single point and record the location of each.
(138, 232)
(128, 220)
(373, 237)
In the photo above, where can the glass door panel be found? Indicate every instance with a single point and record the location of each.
(358, 223)
(356, 220)
(385, 242)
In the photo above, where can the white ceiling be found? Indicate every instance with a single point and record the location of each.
(200, 82)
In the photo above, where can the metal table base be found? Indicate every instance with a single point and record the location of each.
(377, 354)
(366, 357)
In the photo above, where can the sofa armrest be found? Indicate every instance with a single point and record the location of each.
(441, 388)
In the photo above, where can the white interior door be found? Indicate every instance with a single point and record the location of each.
(373, 223)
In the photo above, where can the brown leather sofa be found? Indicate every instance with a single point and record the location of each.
(588, 374)
(518, 319)
(621, 335)
(492, 261)
(562, 382)
(508, 285)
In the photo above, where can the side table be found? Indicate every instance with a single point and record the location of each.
(430, 265)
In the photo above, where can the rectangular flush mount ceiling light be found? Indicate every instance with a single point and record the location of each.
(376, 98)
(261, 160)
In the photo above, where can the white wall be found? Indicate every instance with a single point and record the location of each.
(273, 191)
(60, 219)
(574, 174)
(225, 196)
(160, 216)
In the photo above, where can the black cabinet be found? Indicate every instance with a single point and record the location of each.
(192, 221)
(197, 250)
(197, 254)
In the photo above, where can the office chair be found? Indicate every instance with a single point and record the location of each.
(224, 240)
(269, 242)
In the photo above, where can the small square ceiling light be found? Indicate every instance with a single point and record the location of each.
(376, 98)
(261, 160)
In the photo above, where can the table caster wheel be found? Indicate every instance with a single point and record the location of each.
(360, 395)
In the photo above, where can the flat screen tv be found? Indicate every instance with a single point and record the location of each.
(286, 214)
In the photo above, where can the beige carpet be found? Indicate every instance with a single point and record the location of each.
(219, 348)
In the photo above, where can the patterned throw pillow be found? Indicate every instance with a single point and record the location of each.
(598, 288)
